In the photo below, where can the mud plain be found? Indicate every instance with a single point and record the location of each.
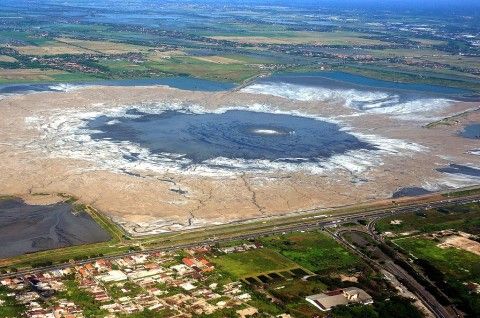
(38, 155)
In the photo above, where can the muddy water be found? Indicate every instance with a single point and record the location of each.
(30, 228)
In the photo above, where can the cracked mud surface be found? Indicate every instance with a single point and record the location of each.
(150, 201)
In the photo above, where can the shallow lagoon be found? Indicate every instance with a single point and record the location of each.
(338, 79)
(328, 79)
(471, 131)
(180, 82)
(460, 170)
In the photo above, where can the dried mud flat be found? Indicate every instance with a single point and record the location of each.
(38, 157)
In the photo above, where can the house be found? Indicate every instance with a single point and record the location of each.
(181, 269)
(199, 265)
(328, 300)
(188, 261)
(247, 312)
(112, 276)
(187, 286)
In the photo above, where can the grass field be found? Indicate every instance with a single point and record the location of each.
(24, 37)
(315, 251)
(303, 37)
(253, 263)
(290, 290)
(463, 217)
(104, 47)
(8, 59)
(460, 264)
(75, 77)
(73, 46)
(50, 48)
(214, 68)
(9, 308)
(18, 75)
(217, 59)
(464, 192)
(205, 69)
(8, 76)
(162, 55)
(293, 293)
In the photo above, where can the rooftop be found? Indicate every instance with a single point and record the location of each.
(328, 300)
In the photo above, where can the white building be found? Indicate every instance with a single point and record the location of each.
(328, 300)
(112, 276)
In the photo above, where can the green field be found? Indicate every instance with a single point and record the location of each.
(41, 76)
(315, 251)
(450, 268)
(234, 71)
(462, 217)
(464, 192)
(293, 292)
(117, 50)
(9, 308)
(454, 263)
(196, 68)
(253, 263)
(290, 289)
(112, 45)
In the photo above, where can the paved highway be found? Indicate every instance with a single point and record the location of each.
(305, 225)
(402, 276)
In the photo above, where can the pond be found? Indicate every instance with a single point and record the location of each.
(31, 228)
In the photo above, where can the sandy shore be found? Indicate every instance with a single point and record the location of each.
(145, 200)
